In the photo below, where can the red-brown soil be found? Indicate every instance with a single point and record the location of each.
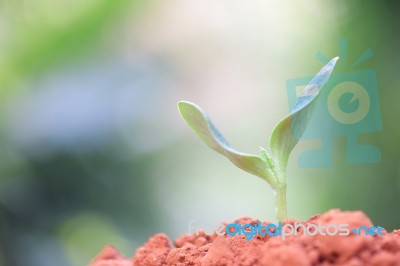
(300, 250)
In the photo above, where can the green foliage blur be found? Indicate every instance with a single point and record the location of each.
(94, 152)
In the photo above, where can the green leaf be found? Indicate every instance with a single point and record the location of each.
(202, 125)
(268, 159)
(287, 132)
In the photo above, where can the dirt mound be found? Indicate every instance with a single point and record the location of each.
(298, 249)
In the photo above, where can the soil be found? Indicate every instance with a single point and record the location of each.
(300, 250)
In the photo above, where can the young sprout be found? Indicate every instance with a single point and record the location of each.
(271, 165)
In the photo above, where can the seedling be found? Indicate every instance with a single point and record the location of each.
(271, 165)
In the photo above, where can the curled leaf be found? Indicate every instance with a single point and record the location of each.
(268, 159)
(202, 125)
(287, 132)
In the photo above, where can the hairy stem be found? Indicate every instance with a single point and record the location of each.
(280, 202)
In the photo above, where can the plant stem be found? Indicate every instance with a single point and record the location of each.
(280, 202)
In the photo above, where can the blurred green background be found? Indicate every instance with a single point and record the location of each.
(93, 150)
